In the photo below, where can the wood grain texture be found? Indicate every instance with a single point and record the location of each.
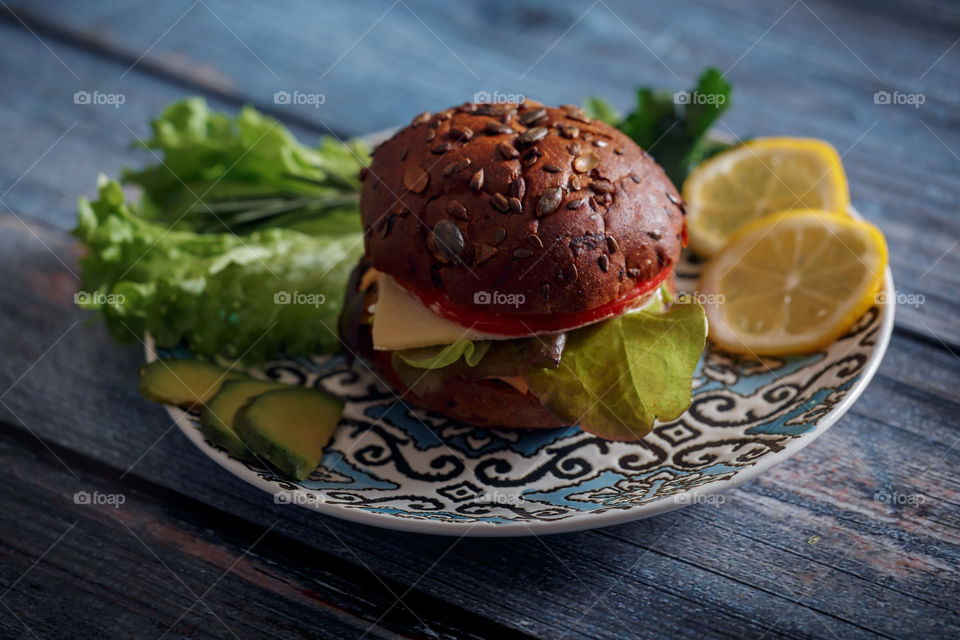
(747, 561)
(900, 159)
(153, 558)
(811, 549)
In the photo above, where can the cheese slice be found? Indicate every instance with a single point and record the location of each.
(400, 321)
(517, 382)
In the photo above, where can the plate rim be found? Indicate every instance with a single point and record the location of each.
(585, 521)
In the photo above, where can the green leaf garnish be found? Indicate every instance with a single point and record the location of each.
(239, 174)
(618, 376)
(601, 110)
(444, 356)
(672, 126)
(173, 264)
(252, 296)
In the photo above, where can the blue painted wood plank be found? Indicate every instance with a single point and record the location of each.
(877, 569)
(151, 567)
(911, 200)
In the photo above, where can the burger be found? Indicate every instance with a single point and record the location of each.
(519, 273)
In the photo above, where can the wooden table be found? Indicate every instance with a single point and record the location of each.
(808, 550)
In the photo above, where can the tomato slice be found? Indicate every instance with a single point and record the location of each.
(532, 323)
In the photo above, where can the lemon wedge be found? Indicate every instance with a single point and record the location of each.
(757, 178)
(792, 282)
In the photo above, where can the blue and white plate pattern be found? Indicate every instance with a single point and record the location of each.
(393, 466)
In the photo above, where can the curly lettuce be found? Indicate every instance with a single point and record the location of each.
(220, 173)
(244, 297)
(240, 245)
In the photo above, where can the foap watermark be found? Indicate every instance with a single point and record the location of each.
(898, 498)
(696, 97)
(497, 299)
(497, 97)
(899, 297)
(498, 497)
(298, 297)
(97, 498)
(713, 499)
(299, 97)
(695, 297)
(96, 97)
(896, 97)
(298, 497)
(98, 298)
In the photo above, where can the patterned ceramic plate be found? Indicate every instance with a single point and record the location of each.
(401, 468)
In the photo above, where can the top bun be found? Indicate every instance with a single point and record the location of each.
(562, 212)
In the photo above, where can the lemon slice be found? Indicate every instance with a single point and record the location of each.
(792, 282)
(758, 178)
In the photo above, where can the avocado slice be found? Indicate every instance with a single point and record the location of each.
(289, 427)
(216, 419)
(189, 384)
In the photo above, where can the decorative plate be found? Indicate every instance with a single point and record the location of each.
(393, 466)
